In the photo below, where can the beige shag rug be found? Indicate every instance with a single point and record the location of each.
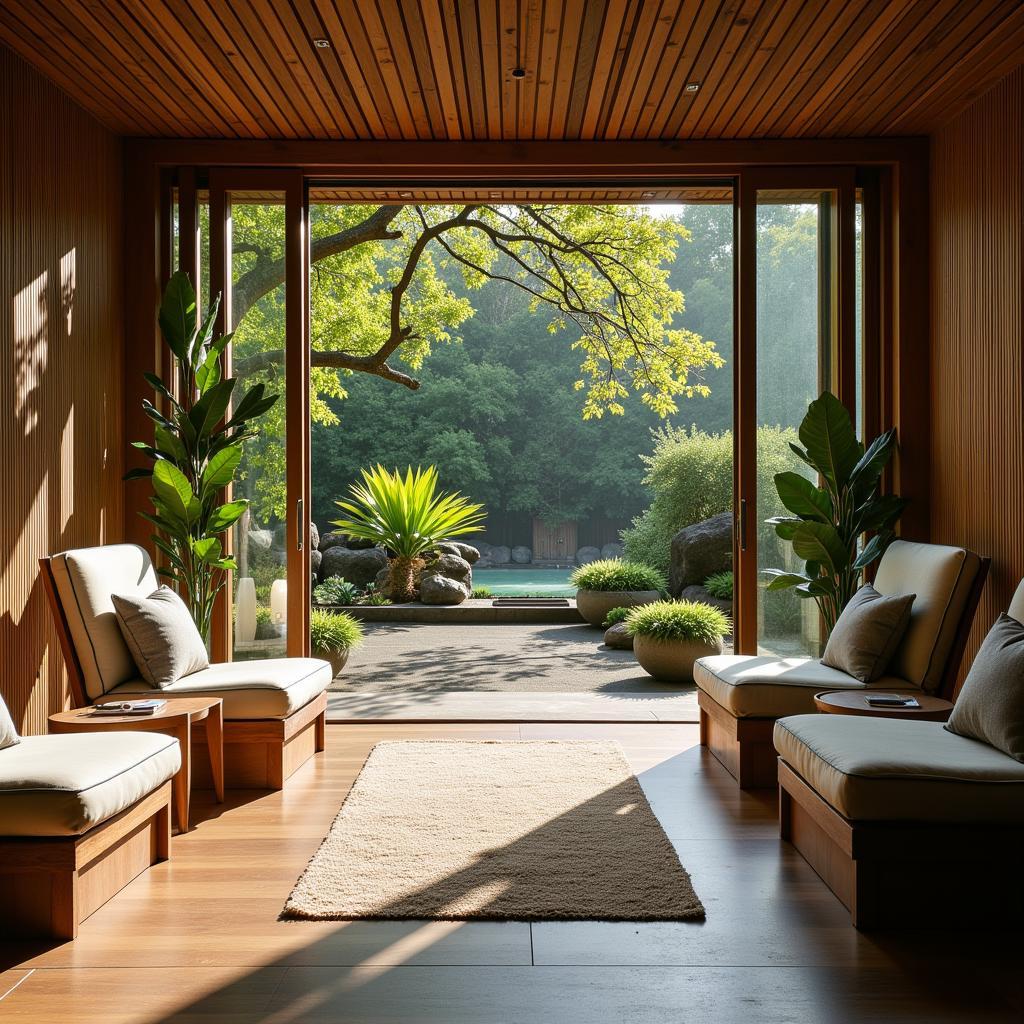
(525, 831)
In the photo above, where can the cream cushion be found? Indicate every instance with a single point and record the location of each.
(85, 579)
(270, 688)
(64, 785)
(8, 731)
(768, 687)
(1016, 609)
(941, 577)
(878, 769)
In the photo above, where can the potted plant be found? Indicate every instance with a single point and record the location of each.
(669, 636)
(332, 636)
(613, 583)
(827, 522)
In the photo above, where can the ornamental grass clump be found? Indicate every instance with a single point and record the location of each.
(615, 616)
(334, 631)
(719, 585)
(616, 575)
(691, 621)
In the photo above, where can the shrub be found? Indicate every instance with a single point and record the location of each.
(334, 631)
(678, 620)
(719, 585)
(336, 590)
(615, 616)
(481, 592)
(616, 574)
(372, 596)
(690, 473)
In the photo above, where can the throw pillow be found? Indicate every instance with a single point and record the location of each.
(990, 707)
(161, 635)
(8, 733)
(867, 633)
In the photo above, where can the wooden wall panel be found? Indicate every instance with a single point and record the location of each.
(977, 419)
(61, 438)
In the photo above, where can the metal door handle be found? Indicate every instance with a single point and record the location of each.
(743, 524)
(300, 532)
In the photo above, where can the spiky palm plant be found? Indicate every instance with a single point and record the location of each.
(406, 515)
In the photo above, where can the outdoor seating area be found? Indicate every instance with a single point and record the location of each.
(512, 512)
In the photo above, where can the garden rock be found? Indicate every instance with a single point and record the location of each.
(360, 543)
(699, 551)
(333, 539)
(522, 555)
(435, 589)
(500, 555)
(315, 558)
(612, 551)
(358, 567)
(451, 566)
(587, 554)
(466, 551)
(698, 593)
(617, 637)
(261, 540)
(314, 536)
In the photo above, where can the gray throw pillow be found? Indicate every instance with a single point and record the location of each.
(990, 707)
(161, 635)
(8, 733)
(867, 633)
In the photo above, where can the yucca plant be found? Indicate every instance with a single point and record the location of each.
(195, 452)
(406, 515)
(829, 521)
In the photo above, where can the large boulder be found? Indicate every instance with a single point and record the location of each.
(452, 566)
(500, 555)
(436, 589)
(698, 593)
(699, 551)
(587, 554)
(358, 567)
(361, 543)
(618, 638)
(333, 539)
(613, 551)
(522, 555)
(314, 535)
(466, 551)
(260, 540)
(315, 558)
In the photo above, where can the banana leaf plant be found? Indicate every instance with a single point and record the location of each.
(196, 450)
(828, 521)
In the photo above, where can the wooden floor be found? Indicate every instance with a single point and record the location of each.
(197, 939)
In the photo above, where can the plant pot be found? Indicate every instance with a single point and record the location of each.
(594, 605)
(338, 659)
(671, 661)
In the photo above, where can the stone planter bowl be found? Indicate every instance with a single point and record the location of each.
(338, 659)
(594, 605)
(671, 661)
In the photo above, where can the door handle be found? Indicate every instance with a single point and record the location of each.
(743, 524)
(300, 532)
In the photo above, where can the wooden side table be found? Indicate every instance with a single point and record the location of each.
(855, 702)
(175, 718)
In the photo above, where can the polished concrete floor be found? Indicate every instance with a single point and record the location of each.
(197, 939)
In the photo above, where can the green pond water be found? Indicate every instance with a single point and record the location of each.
(519, 582)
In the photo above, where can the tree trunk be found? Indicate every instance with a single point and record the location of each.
(402, 583)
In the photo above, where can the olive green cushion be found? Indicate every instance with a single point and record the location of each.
(867, 633)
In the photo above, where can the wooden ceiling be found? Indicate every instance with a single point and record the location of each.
(594, 69)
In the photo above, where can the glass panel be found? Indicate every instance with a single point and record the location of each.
(257, 244)
(859, 313)
(794, 345)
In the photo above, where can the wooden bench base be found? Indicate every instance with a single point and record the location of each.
(48, 886)
(743, 745)
(892, 874)
(263, 754)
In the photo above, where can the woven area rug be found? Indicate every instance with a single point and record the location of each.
(524, 831)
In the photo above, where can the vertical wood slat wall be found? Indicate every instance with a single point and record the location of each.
(977, 388)
(61, 423)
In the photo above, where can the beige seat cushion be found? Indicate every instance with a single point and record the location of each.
(85, 579)
(767, 687)
(271, 688)
(64, 785)
(941, 577)
(878, 769)
(8, 731)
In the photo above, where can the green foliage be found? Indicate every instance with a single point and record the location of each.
(196, 450)
(616, 574)
(616, 615)
(690, 472)
(334, 631)
(335, 590)
(481, 592)
(372, 596)
(720, 585)
(678, 620)
(827, 522)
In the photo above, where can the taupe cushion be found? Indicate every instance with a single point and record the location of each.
(880, 769)
(85, 579)
(270, 688)
(64, 785)
(8, 731)
(867, 633)
(161, 635)
(941, 578)
(768, 687)
(990, 706)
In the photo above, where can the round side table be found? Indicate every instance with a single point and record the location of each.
(175, 718)
(855, 702)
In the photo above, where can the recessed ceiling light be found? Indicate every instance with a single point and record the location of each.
(519, 72)
(405, 195)
(692, 87)
(647, 195)
(495, 195)
(322, 44)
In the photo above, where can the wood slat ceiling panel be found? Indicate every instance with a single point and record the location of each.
(594, 69)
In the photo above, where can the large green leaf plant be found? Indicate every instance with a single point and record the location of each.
(196, 450)
(828, 521)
